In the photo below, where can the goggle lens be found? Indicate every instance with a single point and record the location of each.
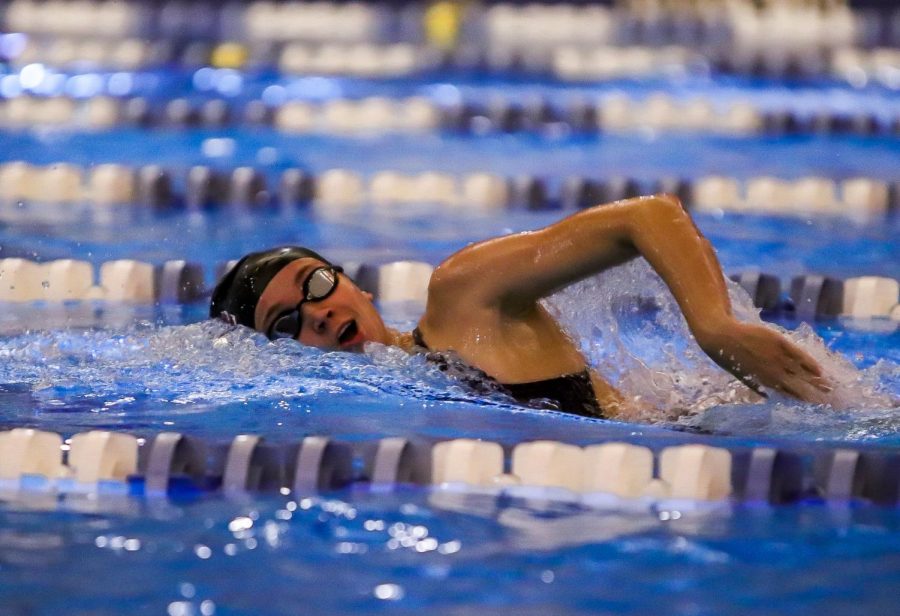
(287, 326)
(320, 284)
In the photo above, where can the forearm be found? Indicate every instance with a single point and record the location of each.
(670, 241)
(659, 229)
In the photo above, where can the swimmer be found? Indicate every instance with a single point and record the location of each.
(483, 306)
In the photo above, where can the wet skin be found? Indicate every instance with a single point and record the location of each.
(483, 302)
(345, 320)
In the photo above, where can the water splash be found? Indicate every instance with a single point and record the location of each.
(209, 362)
(629, 326)
(632, 331)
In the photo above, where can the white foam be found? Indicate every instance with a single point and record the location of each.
(633, 332)
(212, 363)
(646, 352)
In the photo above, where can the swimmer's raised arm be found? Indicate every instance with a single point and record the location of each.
(517, 270)
(511, 273)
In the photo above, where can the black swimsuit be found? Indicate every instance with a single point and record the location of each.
(571, 393)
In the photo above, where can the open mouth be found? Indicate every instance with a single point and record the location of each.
(348, 333)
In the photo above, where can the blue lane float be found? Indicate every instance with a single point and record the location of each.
(174, 464)
(808, 297)
(334, 192)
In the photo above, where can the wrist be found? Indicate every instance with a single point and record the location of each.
(714, 333)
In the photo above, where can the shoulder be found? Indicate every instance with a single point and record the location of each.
(448, 292)
(467, 277)
(458, 296)
(447, 278)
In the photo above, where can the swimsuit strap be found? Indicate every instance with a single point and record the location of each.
(418, 340)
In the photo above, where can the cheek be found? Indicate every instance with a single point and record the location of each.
(372, 317)
(353, 299)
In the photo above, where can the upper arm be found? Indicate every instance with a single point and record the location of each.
(514, 271)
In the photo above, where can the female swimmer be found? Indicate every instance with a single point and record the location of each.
(483, 305)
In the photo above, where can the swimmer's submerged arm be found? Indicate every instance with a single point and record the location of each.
(513, 272)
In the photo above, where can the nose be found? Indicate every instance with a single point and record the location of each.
(318, 316)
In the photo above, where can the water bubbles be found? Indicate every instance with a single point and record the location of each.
(272, 532)
(186, 608)
(239, 524)
(665, 516)
(631, 329)
(132, 545)
(164, 375)
(426, 545)
(374, 525)
(389, 592)
(118, 543)
(180, 608)
(346, 547)
(195, 368)
(450, 547)
(651, 353)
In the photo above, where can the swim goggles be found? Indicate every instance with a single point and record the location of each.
(320, 283)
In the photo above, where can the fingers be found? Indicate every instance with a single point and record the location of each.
(781, 377)
(810, 374)
(815, 389)
(764, 357)
(785, 389)
(822, 384)
(801, 358)
(812, 368)
(795, 390)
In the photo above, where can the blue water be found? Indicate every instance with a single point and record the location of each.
(144, 378)
(643, 156)
(782, 246)
(143, 369)
(406, 553)
(447, 87)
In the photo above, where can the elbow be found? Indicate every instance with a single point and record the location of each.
(665, 205)
(659, 210)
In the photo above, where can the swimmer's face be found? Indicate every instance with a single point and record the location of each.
(345, 320)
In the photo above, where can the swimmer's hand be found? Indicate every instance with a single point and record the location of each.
(759, 356)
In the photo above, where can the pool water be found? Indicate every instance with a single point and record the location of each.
(407, 552)
(141, 368)
(146, 369)
(74, 367)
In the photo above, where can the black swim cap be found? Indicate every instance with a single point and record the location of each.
(235, 297)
